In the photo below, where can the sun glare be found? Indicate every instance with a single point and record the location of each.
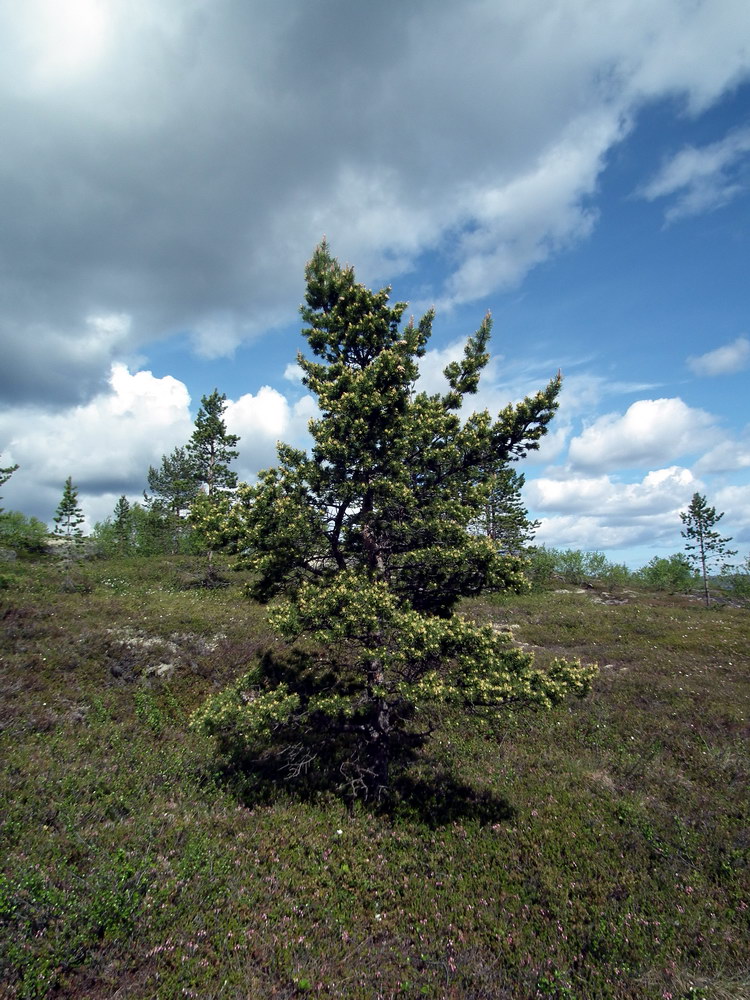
(67, 37)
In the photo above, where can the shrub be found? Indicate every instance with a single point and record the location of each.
(24, 535)
(673, 574)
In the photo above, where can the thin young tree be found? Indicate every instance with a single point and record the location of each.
(121, 525)
(369, 540)
(211, 450)
(69, 516)
(704, 546)
(68, 520)
(5, 475)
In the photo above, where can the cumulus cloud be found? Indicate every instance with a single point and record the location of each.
(702, 179)
(262, 420)
(600, 512)
(734, 501)
(178, 161)
(650, 431)
(107, 444)
(728, 455)
(596, 534)
(660, 490)
(724, 360)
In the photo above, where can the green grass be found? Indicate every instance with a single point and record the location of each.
(597, 851)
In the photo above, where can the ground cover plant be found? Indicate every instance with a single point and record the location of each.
(596, 851)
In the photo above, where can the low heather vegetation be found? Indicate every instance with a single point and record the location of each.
(598, 850)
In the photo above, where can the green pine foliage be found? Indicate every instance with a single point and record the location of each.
(143, 532)
(5, 475)
(211, 449)
(26, 536)
(505, 518)
(368, 540)
(121, 525)
(173, 484)
(69, 516)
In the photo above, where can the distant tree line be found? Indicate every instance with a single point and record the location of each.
(188, 486)
(192, 506)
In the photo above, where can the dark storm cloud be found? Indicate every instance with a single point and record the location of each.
(183, 179)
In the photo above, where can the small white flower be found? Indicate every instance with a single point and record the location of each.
(339, 833)
(378, 916)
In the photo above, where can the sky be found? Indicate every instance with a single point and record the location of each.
(580, 168)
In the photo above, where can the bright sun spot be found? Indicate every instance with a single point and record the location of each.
(65, 38)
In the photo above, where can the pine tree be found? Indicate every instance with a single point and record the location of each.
(369, 540)
(69, 516)
(704, 546)
(505, 519)
(174, 485)
(210, 448)
(121, 525)
(5, 475)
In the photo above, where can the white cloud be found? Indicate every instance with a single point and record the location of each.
(433, 364)
(519, 223)
(702, 179)
(650, 431)
(601, 513)
(591, 533)
(660, 490)
(262, 420)
(166, 181)
(108, 444)
(724, 360)
(735, 502)
(727, 456)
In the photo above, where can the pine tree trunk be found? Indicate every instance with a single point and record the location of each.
(382, 759)
(703, 568)
(380, 732)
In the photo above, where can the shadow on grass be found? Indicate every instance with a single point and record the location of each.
(435, 801)
(442, 800)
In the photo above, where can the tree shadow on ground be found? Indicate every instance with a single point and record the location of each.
(437, 800)
(443, 799)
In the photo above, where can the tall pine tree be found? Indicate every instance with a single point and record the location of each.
(122, 526)
(211, 449)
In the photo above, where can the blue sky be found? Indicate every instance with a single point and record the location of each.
(582, 171)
